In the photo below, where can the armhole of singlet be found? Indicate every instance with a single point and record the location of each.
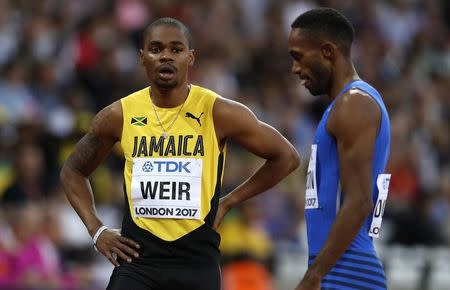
(214, 126)
(365, 93)
(123, 121)
(380, 125)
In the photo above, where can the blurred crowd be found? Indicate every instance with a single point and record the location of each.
(61, 61)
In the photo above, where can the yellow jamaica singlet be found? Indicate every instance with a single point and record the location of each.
(172, 182)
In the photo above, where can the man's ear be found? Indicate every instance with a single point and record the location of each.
(328, 50)
(191, 57)
(141, 56)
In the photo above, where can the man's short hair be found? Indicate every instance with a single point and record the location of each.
(328, 23)
(168, 21)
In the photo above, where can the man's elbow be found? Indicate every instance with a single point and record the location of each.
(293, 159)
(64, 175)
(67, 174)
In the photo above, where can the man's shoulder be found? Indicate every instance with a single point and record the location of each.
(356, 95)
(205, 91)
(355, 99)
(363, 88)
(353, 109)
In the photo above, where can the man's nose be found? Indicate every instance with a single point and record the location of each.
(165, 56)
(296, 68)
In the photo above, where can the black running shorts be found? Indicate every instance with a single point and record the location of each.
(130, 276)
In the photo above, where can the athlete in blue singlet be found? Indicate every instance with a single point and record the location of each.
(346, 186)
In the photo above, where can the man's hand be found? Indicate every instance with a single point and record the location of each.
(112, 245)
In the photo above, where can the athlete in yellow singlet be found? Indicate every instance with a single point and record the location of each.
(173, 135)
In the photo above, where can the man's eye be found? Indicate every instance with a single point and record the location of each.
(176, 50)
(154, 49)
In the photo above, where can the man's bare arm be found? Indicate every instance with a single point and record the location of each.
(90, 151)
(85, 158)
(235, 121)
(85, 154)
(354, 121)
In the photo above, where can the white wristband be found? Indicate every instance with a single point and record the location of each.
(98, 233)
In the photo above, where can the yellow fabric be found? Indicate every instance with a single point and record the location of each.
(238, 238)
(140, 122)
(6, 178)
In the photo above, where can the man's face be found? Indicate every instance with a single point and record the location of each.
(166, 56)
(309, 63)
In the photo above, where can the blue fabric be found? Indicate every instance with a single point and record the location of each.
(359, 266)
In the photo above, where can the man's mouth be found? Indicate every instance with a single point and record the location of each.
(166, 72)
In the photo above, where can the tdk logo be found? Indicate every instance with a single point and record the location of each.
(166, 166)
(147, 167)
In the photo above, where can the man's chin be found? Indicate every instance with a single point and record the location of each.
(314, 91)
(166, 85)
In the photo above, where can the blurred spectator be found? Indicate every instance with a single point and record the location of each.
(62, 61)
(35, 260)
(6, 254)
(246, 275)
(417, 226)
(244, 236)
(15, 97)
(441, 205)
(28, 182)
(246, 249)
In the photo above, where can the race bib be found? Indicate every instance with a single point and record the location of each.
(383, 189)
(311, 198)
(166, 188)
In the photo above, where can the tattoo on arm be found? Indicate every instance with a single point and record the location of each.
(86, 154)
(104, 132)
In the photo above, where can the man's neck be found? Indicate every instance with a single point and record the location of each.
(344, 73)
(170, 97)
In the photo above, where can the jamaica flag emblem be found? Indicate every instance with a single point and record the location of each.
(139, 121)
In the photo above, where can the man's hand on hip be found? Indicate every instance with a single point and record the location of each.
(112, 245)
